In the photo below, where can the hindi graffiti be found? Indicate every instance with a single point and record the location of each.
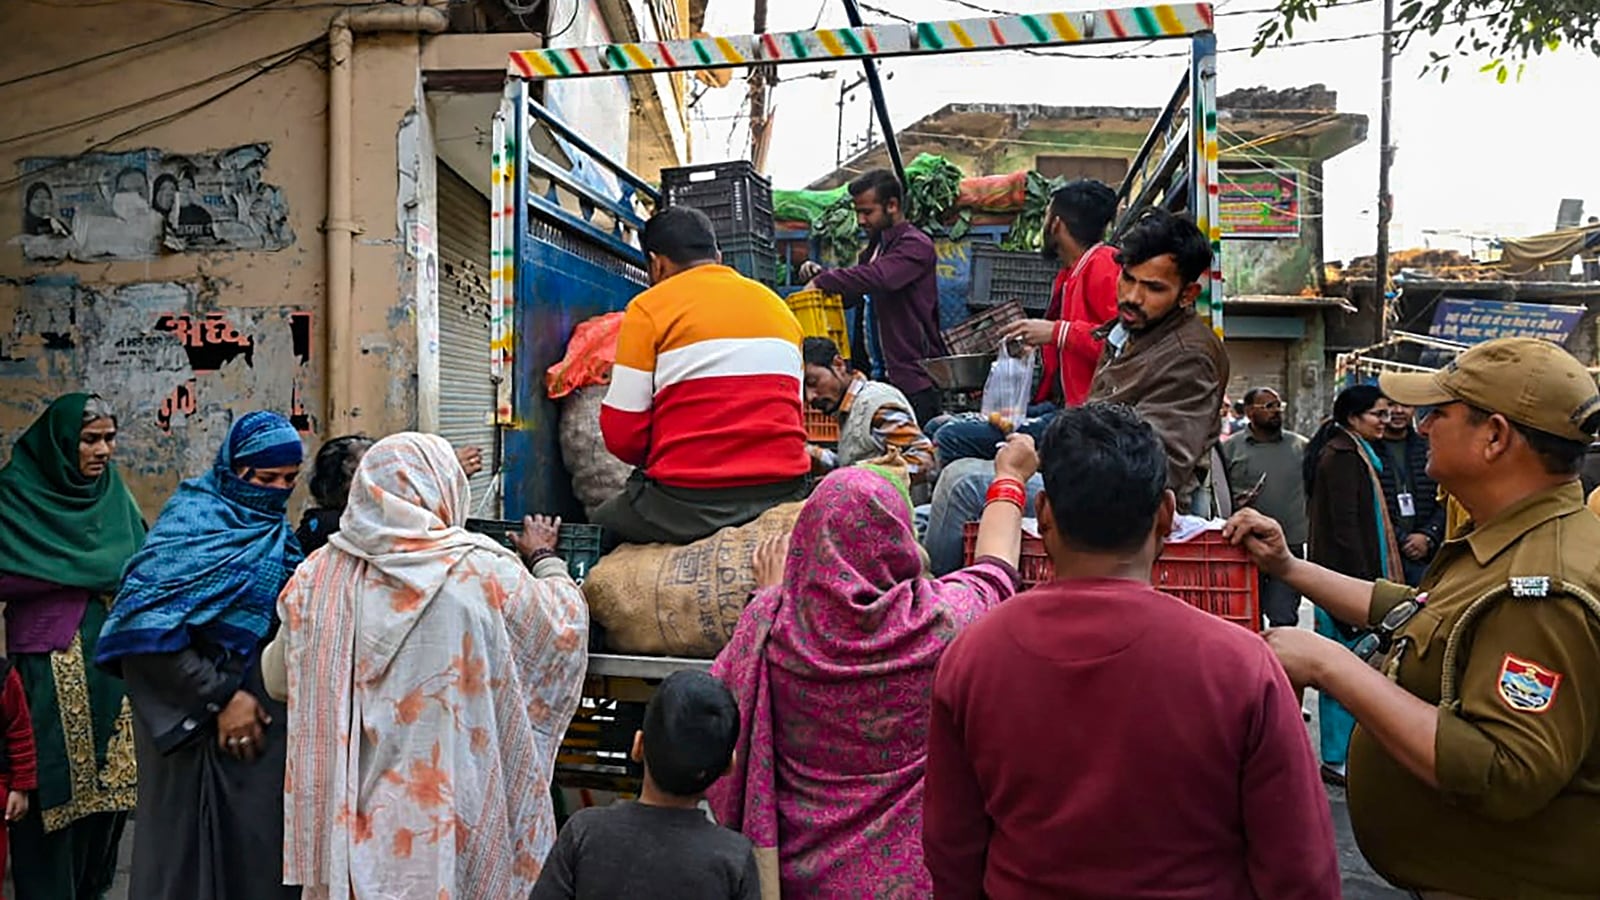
(1259, 202)
(141, 203)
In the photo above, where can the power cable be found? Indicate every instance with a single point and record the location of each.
(146, 101)
(279, 63)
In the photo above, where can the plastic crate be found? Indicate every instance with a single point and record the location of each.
(981, 333)
(999, 276)
(821, 428)
(821, 315)
(1205, 572)
(578, 544)
(753, 257)
(737, 199)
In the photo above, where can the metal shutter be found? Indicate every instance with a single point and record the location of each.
(466, 395)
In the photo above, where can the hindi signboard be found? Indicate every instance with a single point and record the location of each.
(1475, 321)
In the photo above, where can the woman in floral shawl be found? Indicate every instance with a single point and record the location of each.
(185, 632)
(832, 664)
(430, 678)
(69, 527)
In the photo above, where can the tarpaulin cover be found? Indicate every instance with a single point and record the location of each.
(1523, 255)
(590, 355)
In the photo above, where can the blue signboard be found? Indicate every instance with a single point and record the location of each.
(1475, 321)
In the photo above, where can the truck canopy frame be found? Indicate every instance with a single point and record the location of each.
(537, 237)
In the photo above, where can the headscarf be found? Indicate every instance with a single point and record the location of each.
(59, 526)
(858, 629)
(217, 557)
(435, 644)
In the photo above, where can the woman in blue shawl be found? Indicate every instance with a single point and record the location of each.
(185, 632)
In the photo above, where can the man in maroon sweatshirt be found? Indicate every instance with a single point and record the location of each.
(1095, 738)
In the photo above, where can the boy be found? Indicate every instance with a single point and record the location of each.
(18, 759)
(662, 847)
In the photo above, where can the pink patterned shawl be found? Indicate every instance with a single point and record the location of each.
(833, 672)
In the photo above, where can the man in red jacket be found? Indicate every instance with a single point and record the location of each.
(1094, 737)
(1083, 299)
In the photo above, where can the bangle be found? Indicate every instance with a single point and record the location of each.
(539, 556)
(1007, 490)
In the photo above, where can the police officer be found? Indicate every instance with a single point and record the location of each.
(1475, 767)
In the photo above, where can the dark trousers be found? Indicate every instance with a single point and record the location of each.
(926, 405)
(648, 512)
(1280, 603)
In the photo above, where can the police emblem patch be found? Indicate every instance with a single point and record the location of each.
(1526, 686)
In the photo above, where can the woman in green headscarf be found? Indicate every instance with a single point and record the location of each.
(69, 527)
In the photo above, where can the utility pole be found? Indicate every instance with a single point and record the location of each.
(870, 68)
(1380, 272)
(838, 140)
(761, 78)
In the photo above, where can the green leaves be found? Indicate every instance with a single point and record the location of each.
(1507, 32)
(1027, 230)
(933, 186)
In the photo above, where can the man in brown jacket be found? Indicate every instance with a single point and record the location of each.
(1160, 358)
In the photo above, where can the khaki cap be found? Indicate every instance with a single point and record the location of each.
(1531, 382)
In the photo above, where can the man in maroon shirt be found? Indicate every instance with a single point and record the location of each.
(898, 271)
(1094, 737)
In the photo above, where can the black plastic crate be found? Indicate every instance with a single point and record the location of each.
(999, 276)
(733, 195)
(753, 257)
(578, 544)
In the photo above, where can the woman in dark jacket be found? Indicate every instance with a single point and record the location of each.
(1350, 530)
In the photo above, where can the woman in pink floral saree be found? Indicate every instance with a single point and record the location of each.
(833, 669)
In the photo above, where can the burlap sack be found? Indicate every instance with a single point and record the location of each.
(597, 476)
(667, 600)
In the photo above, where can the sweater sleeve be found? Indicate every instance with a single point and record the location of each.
(19, 734)
(892, 270)
(1288, 830)
(955, 826)
(625, 414)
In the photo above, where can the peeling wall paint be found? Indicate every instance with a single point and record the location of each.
(175, 365)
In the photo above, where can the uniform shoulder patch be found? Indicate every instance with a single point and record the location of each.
(1527, 587)
(1527, 686)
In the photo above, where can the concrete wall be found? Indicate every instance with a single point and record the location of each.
(183, 325)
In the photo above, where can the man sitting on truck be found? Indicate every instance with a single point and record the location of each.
(874, 418)
(705, 394)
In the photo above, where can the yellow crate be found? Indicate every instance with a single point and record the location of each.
(821, 315)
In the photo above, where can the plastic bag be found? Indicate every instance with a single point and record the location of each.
(591, 353)
(1010, 384)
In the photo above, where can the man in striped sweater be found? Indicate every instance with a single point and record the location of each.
(705, 395)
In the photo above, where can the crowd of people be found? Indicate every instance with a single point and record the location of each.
(372, 705)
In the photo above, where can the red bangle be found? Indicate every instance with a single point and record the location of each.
(1007, 490)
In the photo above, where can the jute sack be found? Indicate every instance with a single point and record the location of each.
(669, 600)
(597, 476)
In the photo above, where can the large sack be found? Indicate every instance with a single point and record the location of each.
(597, 476)
(662, 599)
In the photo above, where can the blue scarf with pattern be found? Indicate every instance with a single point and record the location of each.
(218, 556)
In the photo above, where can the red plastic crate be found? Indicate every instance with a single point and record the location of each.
(1205, 572)
(821, 428)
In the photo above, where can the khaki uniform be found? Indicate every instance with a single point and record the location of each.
(1517, 812)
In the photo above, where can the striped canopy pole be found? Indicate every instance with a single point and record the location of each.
(876, 41)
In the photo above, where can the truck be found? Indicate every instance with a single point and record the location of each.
(565, 248)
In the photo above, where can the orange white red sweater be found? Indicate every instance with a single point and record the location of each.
(706, 391)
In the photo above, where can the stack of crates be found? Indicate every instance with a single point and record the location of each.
(821, 315)
(738, 200)
(999, 276)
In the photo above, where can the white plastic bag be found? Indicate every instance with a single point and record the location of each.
(1010, 384)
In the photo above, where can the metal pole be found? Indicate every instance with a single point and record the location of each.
(1380, 272)
(870, 67)
(760, 77)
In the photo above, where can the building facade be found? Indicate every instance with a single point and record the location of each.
(276, 205)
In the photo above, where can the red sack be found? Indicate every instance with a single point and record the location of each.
(994, 193)
(590, 355)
